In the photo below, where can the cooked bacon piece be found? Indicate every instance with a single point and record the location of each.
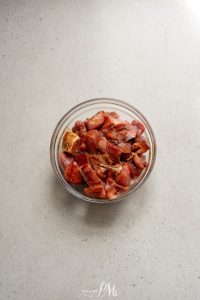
(82, 159)
(79, 128)
(114, 114)
(64, 160)
(102, 144)
(111, 191)
(114, 152)
(127, 133)
(140, 127)
(96, 121)
(82, 147)
(124, 177)
(72, 174)
(139, 161)
(140, 147)
(120, 188)
(131, 132)
(122, 125)
(125, 147)
(96, 191)
(90, 175)
(71, 142)
(135, 172)
(100, 159)
(112, 134)
(111, 121)
(126, 156)
(98, 162)
(91, 140)
(105, 128)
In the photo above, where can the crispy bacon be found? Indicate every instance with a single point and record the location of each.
(124, 177)
(89, 175)
(111, 191)
(127, 133)
(118, 187)
(72, 174)
(122, 125)
(114, 152)
(96, 121)
(79, 128)
(105, 153)
(140, 147)
(135, 172)
(71, 142)
(65, 160)
(110, 120)
(138, 161)
(82, 159)
(140, 127)
(125, 147)
(96, 191)
(102, 144)
(97, 161)
(114, 114)
(91, 140)
(112, 134)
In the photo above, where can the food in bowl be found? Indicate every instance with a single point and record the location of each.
(104, 154)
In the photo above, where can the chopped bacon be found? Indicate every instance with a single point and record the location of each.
(131, 132)
(124, 177)
(127, 133)
(126, 156)
(112, 121)
(140, 147)
(106, 128)
(118, 187)
(114, 152)
(102, 144)
(125, 147)
(105, 153)
(82, 147)
(91, 140)
(96, 191)
(64, 160)
(122, 125)
(79, 128)
(135, 172)
(72, 174)
(138, 161)
(114, 114)
(100, 159)
(140, 127)
(111, 191)
(89, 175)
(98, 162)
(82, 159)
(71, 142)
(96, 121)
(112, 134)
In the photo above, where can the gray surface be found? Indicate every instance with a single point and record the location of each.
(54, 54)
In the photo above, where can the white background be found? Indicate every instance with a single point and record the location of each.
(53, 55)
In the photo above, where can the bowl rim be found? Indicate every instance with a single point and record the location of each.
(94, 101)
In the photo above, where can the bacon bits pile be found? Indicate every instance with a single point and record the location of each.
(104, 154)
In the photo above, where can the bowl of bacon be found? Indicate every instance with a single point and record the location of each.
(102, 150)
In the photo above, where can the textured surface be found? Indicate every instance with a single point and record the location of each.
(54, 54)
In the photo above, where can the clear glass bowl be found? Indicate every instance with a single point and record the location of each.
(87, 109)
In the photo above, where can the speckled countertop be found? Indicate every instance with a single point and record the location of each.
(53, 55)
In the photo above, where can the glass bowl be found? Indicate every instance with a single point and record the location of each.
(87, 109)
